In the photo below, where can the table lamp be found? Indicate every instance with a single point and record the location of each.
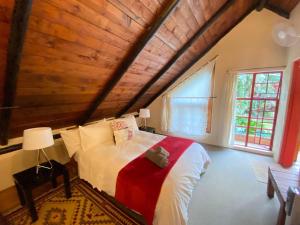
(144, 113)
(38, 139)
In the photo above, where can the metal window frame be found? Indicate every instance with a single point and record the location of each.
(261, 118)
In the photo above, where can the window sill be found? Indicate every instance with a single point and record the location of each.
(252, 150)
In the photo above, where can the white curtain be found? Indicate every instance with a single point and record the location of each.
(229, 102)
(185, 107)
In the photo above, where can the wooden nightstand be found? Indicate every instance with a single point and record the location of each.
(148, 129)
(27, 180)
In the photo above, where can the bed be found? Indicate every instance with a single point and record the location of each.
(101, 168)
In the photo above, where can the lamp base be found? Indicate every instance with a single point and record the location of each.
(145, 123)
(38, 166)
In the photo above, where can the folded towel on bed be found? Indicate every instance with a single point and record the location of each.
(158, 159)
(161, 151)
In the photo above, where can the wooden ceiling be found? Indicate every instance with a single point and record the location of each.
(84, 60)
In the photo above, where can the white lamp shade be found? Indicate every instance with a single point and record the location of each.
(144, 113)
(37, 138)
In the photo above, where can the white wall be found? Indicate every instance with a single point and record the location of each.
(293, 53)
(248, 45)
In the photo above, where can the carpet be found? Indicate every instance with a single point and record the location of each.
(86, 206)
(229, 194)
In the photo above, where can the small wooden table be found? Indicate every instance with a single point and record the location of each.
(27, 180)
(279, 181)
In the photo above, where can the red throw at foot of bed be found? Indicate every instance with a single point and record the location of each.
(140, 181)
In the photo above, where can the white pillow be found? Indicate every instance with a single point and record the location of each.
(94, 136)
(72, 141)
(123, 135)
(122, 130)
(132, 122)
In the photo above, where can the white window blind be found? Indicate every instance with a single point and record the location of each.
(186, 108)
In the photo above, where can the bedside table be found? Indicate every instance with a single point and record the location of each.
(148, 129)
(27, 180)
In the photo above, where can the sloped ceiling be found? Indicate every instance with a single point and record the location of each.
(73, 47)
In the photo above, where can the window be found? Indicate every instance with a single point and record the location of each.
(257, 99)
(188, 106)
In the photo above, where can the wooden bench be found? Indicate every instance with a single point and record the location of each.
(279, 181)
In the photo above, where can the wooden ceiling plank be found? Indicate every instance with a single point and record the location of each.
(159, 48)
(129, 59)
(128, 12)
(90, 60)
(44, 10)
(107, 9)
(6, 9)
(19, 24)
(138, 8)
(152, 5)
(194, 6)
(177, 30)
(164, 34)
(53, 100)
(189, 16)
(49, 65)
(185, 69)
(58, 33)
(91, 16)
(182, 50)
(181, 22)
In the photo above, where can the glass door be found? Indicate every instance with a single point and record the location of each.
(257, 100)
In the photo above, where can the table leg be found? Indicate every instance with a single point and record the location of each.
(54, 182)
(30, 204)
(281, 215)
(270, 188)
(67, 184)
(20, 194)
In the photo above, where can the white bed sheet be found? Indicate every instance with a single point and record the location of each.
(100, 167)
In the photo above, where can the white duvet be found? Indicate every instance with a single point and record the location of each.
(100, 167)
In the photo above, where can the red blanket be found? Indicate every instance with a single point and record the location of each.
(140, 181)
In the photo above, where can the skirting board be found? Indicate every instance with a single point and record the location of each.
(251, 150)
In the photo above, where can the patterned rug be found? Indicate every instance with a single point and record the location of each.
(86, 207)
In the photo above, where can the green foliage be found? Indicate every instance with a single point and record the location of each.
(265, 87)
(244, 82)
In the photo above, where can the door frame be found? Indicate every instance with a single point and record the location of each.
(252, 98)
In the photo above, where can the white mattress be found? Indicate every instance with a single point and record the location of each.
(100, 167)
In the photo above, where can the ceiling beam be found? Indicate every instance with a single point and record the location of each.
(196, 59)
(182, 50)
(261, 4)
(128, 60)
(18, 30)
(279, 11)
